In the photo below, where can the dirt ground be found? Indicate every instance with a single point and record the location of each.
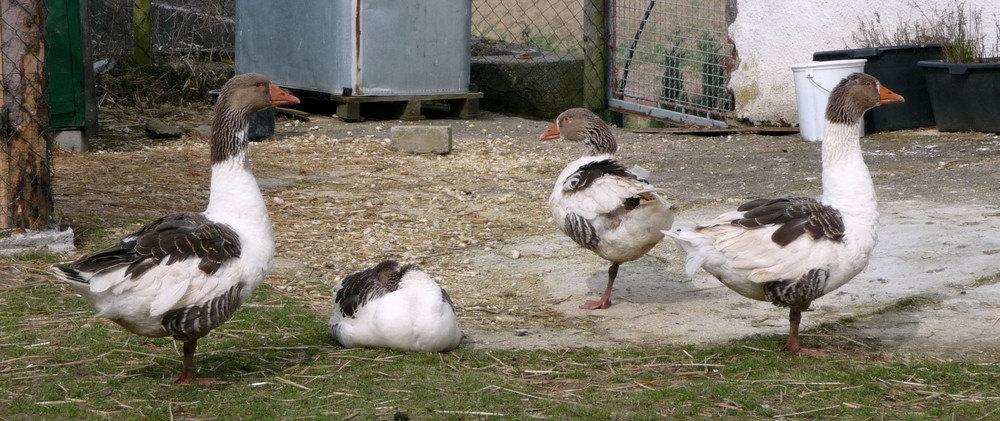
(477, 220)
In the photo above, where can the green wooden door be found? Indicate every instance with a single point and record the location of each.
(65, 64)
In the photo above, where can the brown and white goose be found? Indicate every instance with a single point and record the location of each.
(394, 306)
(791, 251)
(600, 204)
(186, 273)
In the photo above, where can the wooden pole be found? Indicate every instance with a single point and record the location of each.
(5, 195)
(595, 53)
(143, 32)
(26, 172)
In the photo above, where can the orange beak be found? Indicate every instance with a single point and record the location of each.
(552, 133)
(279, 97)
(885, 96)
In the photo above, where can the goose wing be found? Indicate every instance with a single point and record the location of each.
(771, 239)
(170, 239)
(602, 187)
(357, 289)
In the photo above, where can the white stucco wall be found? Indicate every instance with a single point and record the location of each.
(771, 36)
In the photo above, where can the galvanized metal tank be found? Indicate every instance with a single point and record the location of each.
(357, 47)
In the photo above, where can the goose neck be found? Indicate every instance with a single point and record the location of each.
(847, 182)
(600, 141)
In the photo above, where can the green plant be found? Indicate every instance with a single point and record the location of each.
(673, 79)
(958, 27)
(872, 33)
(713, 68)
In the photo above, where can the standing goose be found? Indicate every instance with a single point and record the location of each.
(186, 273)
(393, 306)
(759, 249)
(600, 204)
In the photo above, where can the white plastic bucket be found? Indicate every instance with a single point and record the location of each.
(813, 83)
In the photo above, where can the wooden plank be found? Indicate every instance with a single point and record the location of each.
(409, 107)
(5, 195)
(142, 31)
(465, 108)
(411, 111)
(595, 53)
(350, 111)
(27, 173)
(400, 98)
(715, 131)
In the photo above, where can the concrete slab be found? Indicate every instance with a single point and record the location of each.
(71, 140)
(420, 139)
(52, 241)
(922, 251)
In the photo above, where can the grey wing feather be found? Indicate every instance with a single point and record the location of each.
(172, 238)
(359, 288)
(194, 322)
(447, 298)
(581, 231)
(796, 216)
(584, 176)
(797, 292)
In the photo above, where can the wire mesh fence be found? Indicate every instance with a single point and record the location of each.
(154, 32)
(672, 59)
(25, 155)
(543, 56)
(147, 51)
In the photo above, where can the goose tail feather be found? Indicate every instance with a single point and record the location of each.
(690, 242)
(69, 274)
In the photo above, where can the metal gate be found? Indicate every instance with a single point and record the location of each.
(672, 59)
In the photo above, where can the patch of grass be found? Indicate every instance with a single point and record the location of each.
(908, 303)
(34, 256)
(58, 362)
(987, 280)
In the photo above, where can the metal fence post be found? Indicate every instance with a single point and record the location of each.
(25, 155)
(595, 48)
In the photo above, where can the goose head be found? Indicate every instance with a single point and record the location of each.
(857, 93)
(241, 97)
(581, 125)
(248, 93)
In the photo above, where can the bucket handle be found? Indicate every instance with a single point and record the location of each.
(816, 84)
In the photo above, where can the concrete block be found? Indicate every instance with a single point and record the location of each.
(542, 87)
(51, 240)
(71, 140)
(420, 139)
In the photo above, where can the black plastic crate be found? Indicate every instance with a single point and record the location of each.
(896, 68)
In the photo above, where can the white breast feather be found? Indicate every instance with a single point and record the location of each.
(412, 318)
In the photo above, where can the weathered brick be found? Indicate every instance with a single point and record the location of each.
(420, 139)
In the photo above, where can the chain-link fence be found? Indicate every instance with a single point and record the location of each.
(540, 57)
(673, 58)
(148, 32)
(25, 155)
(149, 51)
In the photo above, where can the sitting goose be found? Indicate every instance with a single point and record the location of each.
(600, 204)
(186, 273)
(393, 306)
(791, 251)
